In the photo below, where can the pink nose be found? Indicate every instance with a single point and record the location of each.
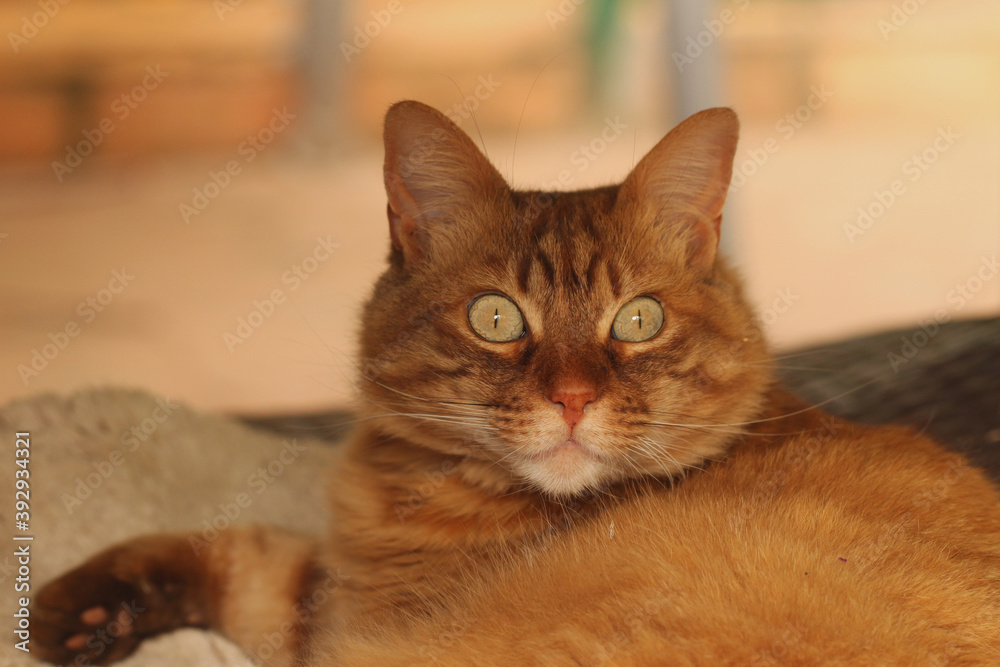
(573, 398)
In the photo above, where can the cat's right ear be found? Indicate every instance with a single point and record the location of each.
(683, 180)
(433, 173)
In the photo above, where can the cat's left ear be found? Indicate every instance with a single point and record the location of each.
(434, 177)
(681, 184)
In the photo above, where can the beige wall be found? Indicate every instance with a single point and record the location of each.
(888, 97)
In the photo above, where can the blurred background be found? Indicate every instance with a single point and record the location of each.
(191, 195)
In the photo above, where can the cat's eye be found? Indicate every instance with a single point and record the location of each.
(638, 320)
(496, 318)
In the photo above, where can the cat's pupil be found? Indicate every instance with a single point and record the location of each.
(639, 317)
(496, 317)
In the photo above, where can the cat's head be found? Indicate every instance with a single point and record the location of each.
(574, 339)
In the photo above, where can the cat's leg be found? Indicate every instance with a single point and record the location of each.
(255, 585)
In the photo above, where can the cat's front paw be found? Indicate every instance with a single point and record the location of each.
(101, 611)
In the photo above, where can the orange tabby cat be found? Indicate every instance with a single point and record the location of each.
(540, 370)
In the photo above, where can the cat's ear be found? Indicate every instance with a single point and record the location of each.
(433, 173)
(681, 184)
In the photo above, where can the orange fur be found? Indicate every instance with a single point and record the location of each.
(841, 545)
(690, 511)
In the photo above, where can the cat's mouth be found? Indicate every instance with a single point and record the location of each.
(569, 448)
(564, 469)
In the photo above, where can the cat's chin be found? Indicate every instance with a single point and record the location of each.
(567, 469)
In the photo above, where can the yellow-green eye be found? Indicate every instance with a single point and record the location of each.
(496, 318)
(638, 320)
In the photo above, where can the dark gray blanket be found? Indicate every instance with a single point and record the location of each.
(947, 384)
